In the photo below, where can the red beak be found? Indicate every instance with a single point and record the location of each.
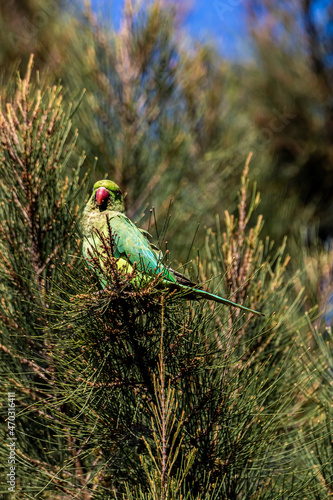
(102, 194)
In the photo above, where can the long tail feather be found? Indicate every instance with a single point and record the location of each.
(216, 298)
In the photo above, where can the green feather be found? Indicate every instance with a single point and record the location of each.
(216, 298)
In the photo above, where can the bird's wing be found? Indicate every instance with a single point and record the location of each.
(133, 246)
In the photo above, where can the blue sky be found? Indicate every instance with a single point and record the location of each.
(220, 21)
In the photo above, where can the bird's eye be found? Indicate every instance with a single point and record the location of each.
(117, 193)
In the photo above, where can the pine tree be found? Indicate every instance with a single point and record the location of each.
(181, 398)
(39, 202)
(291, 100)
(125, 392)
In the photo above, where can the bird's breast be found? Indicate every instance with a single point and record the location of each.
(98, 220)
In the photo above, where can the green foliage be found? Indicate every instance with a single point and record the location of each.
(38, 191)
(174, 399)
(290, 93)
(168, 118)
(136, 393)
(316, 433)
(32, 26)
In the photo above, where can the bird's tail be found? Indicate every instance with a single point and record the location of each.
(210, 296)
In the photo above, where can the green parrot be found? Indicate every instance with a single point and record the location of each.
(132, 247)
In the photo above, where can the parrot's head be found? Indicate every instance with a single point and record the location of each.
(107, 196)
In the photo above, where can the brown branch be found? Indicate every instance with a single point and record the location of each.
(79, 474)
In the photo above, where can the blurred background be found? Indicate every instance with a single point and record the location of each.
(178, 94)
